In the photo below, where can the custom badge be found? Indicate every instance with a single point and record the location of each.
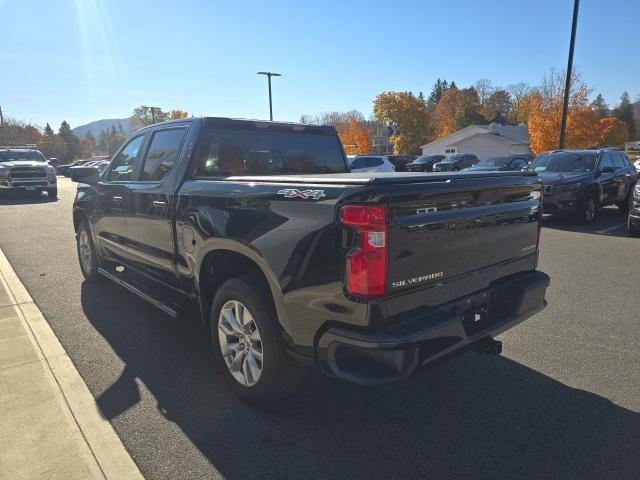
(304, 194)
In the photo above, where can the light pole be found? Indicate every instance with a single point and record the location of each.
(567, 86)
(269, 75)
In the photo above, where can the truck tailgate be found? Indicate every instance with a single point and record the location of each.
(451, 237)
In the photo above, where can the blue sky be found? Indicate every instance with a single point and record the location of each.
(83, 60)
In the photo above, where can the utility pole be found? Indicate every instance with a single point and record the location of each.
(567, 87)
(1, 118)
(269, 75)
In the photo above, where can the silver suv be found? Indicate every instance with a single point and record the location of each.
(26, 169)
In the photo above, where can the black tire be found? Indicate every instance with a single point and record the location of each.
(280, 375)
(634, 230)
(588, 209)
(52, 192)
(89, 268)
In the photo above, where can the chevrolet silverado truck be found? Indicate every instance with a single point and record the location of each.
(26, 169)
(290, 260)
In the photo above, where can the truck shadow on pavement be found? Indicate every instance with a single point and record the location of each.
(610, 222)
(23, 199)
(478, 417)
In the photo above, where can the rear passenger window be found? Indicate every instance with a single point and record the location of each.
(162, 154)
(374, 162)
(223, 153)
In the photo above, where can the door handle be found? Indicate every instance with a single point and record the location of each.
(117, 199)
(159, 204)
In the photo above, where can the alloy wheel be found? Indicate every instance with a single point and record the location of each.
(240, 343)
(84, 248)
(590, 210)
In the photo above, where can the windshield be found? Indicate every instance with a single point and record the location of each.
(494, 162)
(451, 159)
(565, 162)
(424, 159)
(12, 156)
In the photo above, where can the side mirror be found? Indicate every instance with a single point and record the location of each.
(85, 174)
(607, 170)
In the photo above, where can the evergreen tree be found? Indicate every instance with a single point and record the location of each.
(120, 129)
(65, 130)
(600, 106)
(48, 131)
(624, 112)
(113, 130)
(453, 84)
(91, 138)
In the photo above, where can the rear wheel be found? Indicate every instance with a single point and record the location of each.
(87, 254)
(248, 345)
(588, 209)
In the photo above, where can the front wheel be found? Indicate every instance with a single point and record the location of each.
(632, 228)
(52, 192)
(248, 345)
(588, 210)
(87, 255)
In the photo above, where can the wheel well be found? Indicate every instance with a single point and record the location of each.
(78, 216)
(222, 265)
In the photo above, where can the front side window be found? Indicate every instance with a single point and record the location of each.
(374, 162)
(162, 154)
(125, 163)
(618, 161)
(606, 161)
(223, 153)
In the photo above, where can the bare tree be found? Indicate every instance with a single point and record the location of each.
(518, 93)
(485, 88)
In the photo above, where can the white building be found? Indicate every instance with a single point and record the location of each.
(493, 140)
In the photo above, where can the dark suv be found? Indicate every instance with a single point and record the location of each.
(456, 162)
(501, 164)
(401, 161)
(581, 181)
(424, 163)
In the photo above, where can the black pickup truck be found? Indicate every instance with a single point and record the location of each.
(290, 260)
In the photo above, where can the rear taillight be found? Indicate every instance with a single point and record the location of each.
(366, 268)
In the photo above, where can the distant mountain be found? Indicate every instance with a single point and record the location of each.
(100, 125)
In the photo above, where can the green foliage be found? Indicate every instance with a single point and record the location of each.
(624, 112)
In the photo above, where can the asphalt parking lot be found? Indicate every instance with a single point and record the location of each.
(563, 401)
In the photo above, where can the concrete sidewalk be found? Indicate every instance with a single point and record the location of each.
(50, 424)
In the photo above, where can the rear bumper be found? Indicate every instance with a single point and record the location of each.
(371, 358)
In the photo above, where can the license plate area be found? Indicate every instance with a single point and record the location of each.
(30, 189)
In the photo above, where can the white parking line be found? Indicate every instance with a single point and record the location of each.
(611, 229)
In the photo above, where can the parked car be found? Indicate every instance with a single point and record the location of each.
(510, 163)
(371, 163)
(26, 169)
(63, 169)
(293, 261)
(580, 182)
(636, 164)
(400, 161)
(633, 218)
(424, 163)
(456, 162)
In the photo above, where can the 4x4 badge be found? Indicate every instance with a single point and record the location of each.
(304, 194)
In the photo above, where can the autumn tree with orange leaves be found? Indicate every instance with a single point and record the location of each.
(614, 132)
(176, 114)
(355, 138)
(545, 115)
(457, 109)
(410, 116)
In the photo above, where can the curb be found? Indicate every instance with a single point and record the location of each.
(106, 447)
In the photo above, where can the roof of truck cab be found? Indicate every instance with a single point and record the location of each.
(245, 123)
